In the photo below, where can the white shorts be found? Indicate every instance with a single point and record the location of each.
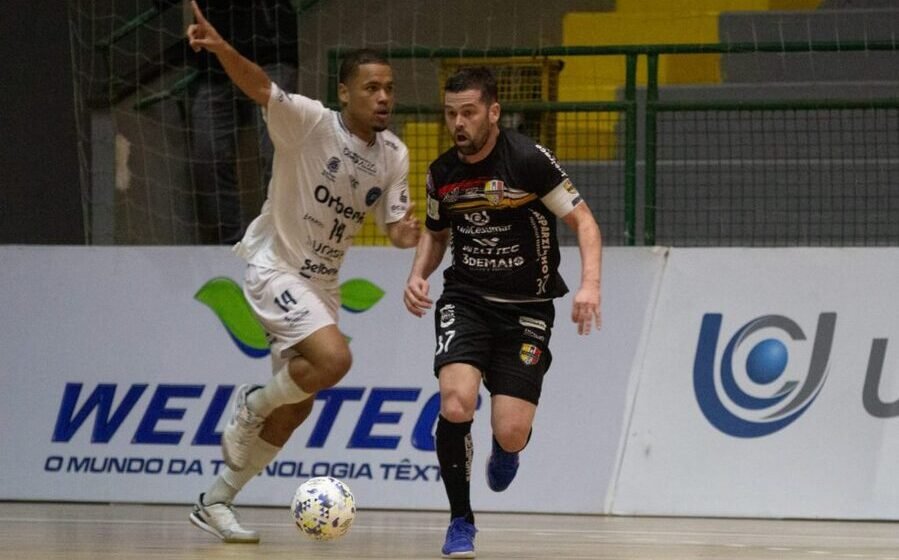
(289, 307)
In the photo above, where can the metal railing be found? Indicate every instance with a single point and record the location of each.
(645, 104)
(657, 196)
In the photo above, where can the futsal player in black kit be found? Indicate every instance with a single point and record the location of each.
(497, 195)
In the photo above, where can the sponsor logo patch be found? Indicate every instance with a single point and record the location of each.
(533, 323)
(478, 218)
(447, 315)
(433, 208)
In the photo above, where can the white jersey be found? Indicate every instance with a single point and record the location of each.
(324, 182)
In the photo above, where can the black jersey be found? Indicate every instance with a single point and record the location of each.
(504, 239)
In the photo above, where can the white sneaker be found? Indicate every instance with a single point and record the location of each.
(241, 431)
(220, 520)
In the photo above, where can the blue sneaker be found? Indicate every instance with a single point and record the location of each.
(502, 467)
(459, 539)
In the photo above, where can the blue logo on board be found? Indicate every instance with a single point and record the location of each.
(772, 389)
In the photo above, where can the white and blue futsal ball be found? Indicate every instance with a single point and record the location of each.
(323, 508)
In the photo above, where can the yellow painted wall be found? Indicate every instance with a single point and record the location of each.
(660, 6)
(639, 22)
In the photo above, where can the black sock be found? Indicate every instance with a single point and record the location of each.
(454, 451)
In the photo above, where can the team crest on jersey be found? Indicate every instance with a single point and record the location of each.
(372, 195)
(331, 168)
(529, 354)
(493, 191)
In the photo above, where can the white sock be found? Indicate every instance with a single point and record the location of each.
(280, 390)
(229, 482)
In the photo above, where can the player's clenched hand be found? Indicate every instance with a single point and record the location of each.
(406, 232)
(415, 296)
(585, 309)
(201, 34)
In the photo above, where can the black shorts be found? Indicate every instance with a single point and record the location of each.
(508, 342)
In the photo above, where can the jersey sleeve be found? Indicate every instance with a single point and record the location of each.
(290, 117)
(555, 189)
(544, 171)
(435, 219)
(395, 201)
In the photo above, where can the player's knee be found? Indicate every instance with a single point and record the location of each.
(334, 369)
(512, 437)
(455, 409)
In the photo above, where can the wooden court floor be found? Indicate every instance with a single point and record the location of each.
(123, 532)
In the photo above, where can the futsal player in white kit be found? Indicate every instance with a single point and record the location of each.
(330, 170)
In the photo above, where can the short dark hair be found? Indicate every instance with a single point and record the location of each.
(356, 58)
(473, 77)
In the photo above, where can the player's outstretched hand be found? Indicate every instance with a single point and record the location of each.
(201, 34)
(585, 310)
(415, 296)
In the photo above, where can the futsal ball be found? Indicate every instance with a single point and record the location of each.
(323, 508)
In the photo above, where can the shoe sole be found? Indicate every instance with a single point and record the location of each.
(198, 522)
(460, 555)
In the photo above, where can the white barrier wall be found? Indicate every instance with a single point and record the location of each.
(117, 380)
(768, 387)
(725, 382)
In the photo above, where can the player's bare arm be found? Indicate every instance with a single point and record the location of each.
(245, 74)
(428, 256)
(585, 311)
(405, 233)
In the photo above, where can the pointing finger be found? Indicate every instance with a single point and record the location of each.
(198, 15)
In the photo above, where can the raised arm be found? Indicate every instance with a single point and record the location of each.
(245, 74)
(428, 255)
(585, 310)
